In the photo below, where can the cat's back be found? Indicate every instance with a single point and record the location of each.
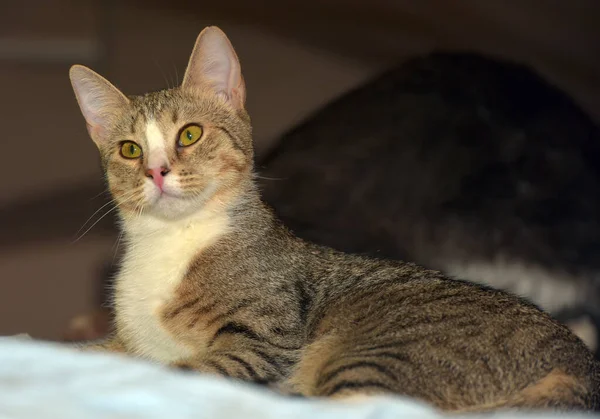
(438, 332)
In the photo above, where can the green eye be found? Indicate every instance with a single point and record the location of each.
(130, 150)
(189, 135)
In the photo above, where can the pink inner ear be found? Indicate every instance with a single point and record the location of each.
(214, 63)
(237, 97)
(94, 131)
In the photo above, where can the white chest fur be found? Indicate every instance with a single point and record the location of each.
(157, 258)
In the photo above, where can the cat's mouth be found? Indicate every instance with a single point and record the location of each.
(162, 197)
(163, 194)
(171, 201)
(164, 191)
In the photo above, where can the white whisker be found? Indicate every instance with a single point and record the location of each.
(92, 226)
(92, 216)
(269, 178)
(129, 197)
(117, 246)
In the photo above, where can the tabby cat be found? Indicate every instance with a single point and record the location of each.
(212, 282)
(464, 163)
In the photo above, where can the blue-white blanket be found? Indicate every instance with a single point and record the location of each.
(41, 380)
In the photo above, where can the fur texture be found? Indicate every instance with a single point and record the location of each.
(467, 164)
(212, 282)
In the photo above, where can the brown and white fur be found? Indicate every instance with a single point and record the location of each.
(212, 282)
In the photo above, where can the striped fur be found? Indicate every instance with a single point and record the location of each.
(213, 283)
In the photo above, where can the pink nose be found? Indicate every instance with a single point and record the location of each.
(157, 175)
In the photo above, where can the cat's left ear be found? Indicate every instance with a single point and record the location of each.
(215, 64)
(100, 101)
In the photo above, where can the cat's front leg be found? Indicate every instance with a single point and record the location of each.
(259, 365)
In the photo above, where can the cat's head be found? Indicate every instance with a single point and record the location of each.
(170, 153)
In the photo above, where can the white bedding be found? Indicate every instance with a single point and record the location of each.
(42, 380)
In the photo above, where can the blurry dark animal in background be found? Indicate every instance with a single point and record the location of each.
(462, 163)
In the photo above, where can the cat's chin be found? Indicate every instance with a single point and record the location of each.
(172, 205)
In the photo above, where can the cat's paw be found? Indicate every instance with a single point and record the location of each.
(190, 365)
(284, 388)
(183, 366)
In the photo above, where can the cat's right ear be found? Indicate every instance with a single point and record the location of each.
(99, 100)
(215, 64)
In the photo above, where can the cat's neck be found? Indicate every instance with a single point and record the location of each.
(243, 217)
(145, 226)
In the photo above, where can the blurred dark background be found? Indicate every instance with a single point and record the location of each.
(296, 56)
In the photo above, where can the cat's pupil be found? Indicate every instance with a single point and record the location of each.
(188, 134)
(131, 149)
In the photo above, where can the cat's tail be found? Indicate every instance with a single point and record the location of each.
(556, 391)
